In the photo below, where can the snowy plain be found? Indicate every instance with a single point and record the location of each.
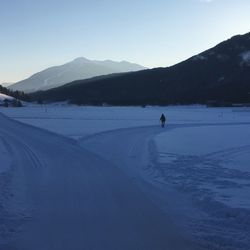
(196, 169)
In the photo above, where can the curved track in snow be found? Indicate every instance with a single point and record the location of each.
(133, 151)
(64, 197)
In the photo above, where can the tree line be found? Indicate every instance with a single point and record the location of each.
(19, 95)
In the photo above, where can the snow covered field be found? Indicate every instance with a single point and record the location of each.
(5, 156)
(196, 170)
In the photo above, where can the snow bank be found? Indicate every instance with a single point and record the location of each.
(4, 97)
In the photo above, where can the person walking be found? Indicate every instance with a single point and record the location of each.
(163, 120)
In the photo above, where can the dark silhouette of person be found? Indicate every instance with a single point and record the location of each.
(163, 120)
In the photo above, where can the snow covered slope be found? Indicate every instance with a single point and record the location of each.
(80, 68)
(196, 170)
(61, 196)
(208, 166)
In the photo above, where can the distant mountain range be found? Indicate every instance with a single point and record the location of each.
(6, 84)
(218, 75)
(80, 68)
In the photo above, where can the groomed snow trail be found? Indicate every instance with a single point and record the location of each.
(130, 150)
(134, 151)
(63, 197)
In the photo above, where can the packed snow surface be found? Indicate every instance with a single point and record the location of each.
(5, 156)
(112, 178)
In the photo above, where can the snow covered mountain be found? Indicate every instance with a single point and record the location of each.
(80, 68)
(220, 75)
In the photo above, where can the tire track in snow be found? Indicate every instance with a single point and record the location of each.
(18, 145)
(32, 157)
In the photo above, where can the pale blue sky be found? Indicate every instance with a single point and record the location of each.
(36, 34)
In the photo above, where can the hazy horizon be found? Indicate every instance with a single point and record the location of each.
(38, 35)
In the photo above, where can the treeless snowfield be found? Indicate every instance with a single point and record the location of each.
(192, 177)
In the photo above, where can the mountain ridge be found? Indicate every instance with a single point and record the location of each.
(218, 75)
(79, 68)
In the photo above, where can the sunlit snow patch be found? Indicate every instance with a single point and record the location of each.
(246, 57)
(5, 97)
(199, 57)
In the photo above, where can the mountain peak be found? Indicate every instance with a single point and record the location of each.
(80, 60)
(217, 76)
(78, 69)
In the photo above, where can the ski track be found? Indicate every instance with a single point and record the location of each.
(174, 188)
(214, 225)
(60, 196)
(5, 194)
